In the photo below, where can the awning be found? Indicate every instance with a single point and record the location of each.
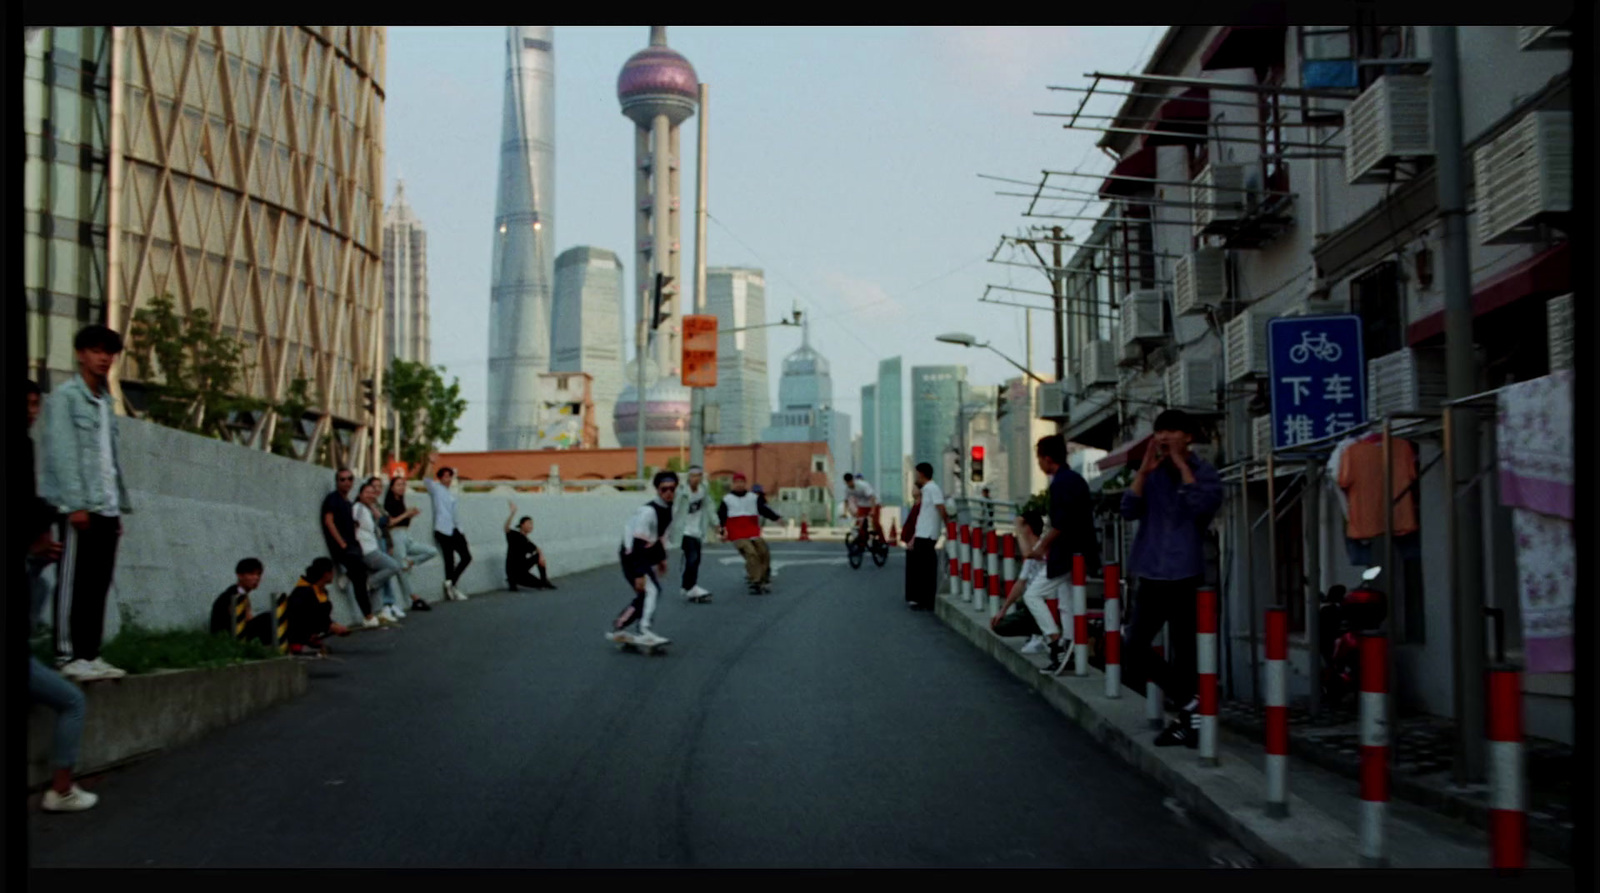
(1246, 46)
(1128, 452)
(1546, 274)
(1142, 163)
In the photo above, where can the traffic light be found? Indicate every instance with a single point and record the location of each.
(959, 469)
(1000, 404)
(369, 396)
(663, 283)
(977, 465)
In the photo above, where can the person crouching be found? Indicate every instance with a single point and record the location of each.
(644, 555)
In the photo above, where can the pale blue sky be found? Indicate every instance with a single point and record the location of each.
(843, 161)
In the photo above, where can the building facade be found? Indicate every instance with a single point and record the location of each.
(891, 433)
(868, 463)
(1234, 236)
(737, 297)
(156, 166)
(405, 282)
(806, 413)
(523, 262)
(935, 404)
(1020, 431)
(587, 329)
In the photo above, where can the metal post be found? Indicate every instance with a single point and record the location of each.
(961, 429)
(1313, 547)
(697, 396)
(638, 403)
(1272, 580)
(1391, 704)
(1467, 569)
(1247, 575)
(1059, 301)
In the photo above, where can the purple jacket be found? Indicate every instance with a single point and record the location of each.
(1173, 517)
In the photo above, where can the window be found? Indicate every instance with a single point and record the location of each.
(1375, 297)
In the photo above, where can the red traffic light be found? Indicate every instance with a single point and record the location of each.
(977, 452)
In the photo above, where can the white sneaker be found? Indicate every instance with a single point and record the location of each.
(79, 669)
(75, 800)
(399, 614)
(387, 616)
(1034, 646)
(449, 595)
(650, 638)
(370, 623)
(106, 670)
(699, 592)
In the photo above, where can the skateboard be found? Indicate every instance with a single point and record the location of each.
(628, 642)
(698, 599)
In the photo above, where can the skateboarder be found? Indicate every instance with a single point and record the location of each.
(691, 514)
(739, 522)
(644, 555)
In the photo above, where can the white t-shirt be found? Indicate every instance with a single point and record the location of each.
(928, 520)
(108, 464)
(1032, 569)
(366, 528)
(861, 492)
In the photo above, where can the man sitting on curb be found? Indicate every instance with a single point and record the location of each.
(522, 556)
(258, 627)
(1037, 619)
(310, 614)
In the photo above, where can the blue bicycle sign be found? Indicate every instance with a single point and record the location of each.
(1315, 346)
(1319, 382)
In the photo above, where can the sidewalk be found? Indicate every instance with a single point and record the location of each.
(1323, 828)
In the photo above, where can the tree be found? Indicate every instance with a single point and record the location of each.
(427, 411)
(290, 412)
(190, 372)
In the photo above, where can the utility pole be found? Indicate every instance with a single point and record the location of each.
(1461, 380)
(1056, 285)
(961, 431)
(697, 396)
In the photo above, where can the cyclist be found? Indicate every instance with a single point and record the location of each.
(863, 503)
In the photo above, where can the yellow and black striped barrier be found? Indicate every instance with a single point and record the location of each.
(241, 608)
(280, 624)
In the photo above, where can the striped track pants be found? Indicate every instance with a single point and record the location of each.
(82, 584)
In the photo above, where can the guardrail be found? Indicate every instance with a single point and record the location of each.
(542, 485)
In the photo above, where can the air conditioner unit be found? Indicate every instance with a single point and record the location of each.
(1054, 400)
(1201, 281)
(1529, 176)
(1408, 380)
(1483, 212)
(1543, 37)
(1391, 120)
(1245, 343)
(1220, 184)
(1143, 391)
(1099, 364)
(1558, 324)
(1144, 316)
(1192, 384)
(1261, 436)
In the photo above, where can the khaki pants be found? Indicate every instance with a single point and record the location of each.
(757, 560)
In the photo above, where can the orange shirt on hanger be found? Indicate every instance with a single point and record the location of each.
(1361, 477)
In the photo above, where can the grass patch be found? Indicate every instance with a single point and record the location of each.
(142, 651)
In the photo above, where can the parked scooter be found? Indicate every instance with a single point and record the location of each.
(1343, 618)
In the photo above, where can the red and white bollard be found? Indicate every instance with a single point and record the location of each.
(980, 569)
(1113, 578)
(1154, 701)
(994, 573)
(1080, 617)
(1374, 748)
(1508, 816)
(951, 550)
(1206, 665)
(966, 563)
(1277, 703)
(1008, 566)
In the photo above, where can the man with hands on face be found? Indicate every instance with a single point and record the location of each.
(1174, 497)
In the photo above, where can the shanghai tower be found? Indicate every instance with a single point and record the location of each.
(524, 266)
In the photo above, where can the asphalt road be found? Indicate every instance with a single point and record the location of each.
(824, 725)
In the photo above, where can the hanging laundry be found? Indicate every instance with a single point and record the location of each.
(1361, 478)
(1332, 477)
(1546, 584)
(1534, 440)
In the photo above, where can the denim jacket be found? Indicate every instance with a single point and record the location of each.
(71, 478)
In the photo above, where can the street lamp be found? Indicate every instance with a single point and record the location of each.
(965, 340)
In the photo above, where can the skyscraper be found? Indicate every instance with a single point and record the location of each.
(805, 408)
(523, 265)
(868, 463)
(935, 404)
(586, 328)
(890, 482)
(737, 297)
(405, 281)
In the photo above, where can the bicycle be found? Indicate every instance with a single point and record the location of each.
(859, 541)
(1319, 347)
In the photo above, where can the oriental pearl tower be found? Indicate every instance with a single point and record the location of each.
(658, 90)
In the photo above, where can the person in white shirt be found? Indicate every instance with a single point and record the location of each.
(366, 512)
(922, 565)
(1035, 588)
(863, 501)
(452, 544)
(644, 555)
(689, 510)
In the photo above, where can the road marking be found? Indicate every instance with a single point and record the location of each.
(779, 565)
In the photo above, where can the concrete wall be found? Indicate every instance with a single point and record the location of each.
(200, 505)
